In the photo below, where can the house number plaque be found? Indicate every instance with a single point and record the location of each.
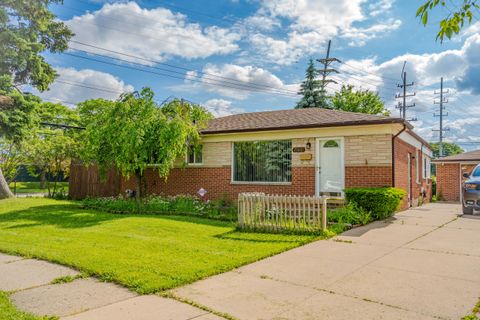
(299, 149)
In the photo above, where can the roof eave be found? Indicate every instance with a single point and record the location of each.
(327, 125)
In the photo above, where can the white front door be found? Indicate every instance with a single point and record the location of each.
(330, 167)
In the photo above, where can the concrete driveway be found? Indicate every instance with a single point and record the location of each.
(422, 264)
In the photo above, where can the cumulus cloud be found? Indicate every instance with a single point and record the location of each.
(459, 68)
(156, 34)
(74, 86)
(239, 82)
(379, 7)
(312, 23)
(360, 36)
(221, 107)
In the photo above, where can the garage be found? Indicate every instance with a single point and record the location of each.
(450, 172)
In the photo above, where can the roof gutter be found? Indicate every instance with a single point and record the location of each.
(393, 151)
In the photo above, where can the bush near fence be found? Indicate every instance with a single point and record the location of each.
(381, 203)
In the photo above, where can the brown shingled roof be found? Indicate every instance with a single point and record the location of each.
(293, 119)
(461, 157)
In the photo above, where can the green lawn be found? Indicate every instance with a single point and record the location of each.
(9, 312)
(146, 253)
(34, 187)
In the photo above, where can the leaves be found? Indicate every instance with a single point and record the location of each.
(134, 132)
(455, 20)
(363, 101)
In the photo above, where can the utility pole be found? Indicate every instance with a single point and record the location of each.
(441, 101)
(326, 71)
(403, 105)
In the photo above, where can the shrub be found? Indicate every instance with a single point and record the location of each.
(181, 204)
(351, 214)
(380, 202)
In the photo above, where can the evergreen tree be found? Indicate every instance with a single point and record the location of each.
(311, 90)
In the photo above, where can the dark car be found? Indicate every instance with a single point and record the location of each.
(471, 191)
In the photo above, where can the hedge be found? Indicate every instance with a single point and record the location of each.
(380, 202)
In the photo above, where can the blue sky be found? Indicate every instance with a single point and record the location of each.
(243, 56)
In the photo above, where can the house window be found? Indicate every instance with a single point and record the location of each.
(426, 168)
(331, 144)
(195, 154)
(262, 161)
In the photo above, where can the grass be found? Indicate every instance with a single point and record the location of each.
(34, 187)
(9, 312)
(145, 253)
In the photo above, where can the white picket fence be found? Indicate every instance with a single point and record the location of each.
(283, 212)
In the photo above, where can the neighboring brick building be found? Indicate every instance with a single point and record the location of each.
(299, 152)
(450, 172)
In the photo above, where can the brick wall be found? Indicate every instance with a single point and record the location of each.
(448, 180)
(402, 149)
(368, 176)
(217, 181)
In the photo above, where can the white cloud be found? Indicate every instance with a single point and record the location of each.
(379, 7)
(239, 82)
(460, 70)
(360, 36)
(73, 86)
(155, 34)
(221, 107)
(312, 23)
(317, 14)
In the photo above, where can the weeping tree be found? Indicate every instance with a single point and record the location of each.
(27, 28)
(135, 133)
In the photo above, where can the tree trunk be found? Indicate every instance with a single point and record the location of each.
(4, 189)
(42, 179)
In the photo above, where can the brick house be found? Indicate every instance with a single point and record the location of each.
(299, 152)
(450, 172)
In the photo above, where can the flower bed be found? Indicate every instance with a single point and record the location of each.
(221, 209)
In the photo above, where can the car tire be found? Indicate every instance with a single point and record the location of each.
(467, 210)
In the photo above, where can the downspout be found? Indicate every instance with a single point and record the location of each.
(393, 152)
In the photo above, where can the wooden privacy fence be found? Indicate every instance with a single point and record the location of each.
(280, 212)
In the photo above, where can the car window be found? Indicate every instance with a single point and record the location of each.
(476, 172)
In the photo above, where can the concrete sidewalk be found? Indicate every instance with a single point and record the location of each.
(422, 264)
(30, 281)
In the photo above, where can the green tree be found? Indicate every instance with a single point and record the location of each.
(11, 157)
(363, 101)
(449, 149)
(27, 28)
(311, 90)
(454, 21)
(50, 150)
(134, 133)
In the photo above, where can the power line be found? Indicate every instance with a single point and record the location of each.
(172, 66)
(367, 72)
(172, 76)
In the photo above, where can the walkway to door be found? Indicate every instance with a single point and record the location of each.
(422, 264)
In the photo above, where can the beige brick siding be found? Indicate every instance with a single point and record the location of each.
(371, 150)
(302, 142)
(217, 154)
(367, 150)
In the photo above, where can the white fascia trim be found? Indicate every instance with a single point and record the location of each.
(411, 140)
